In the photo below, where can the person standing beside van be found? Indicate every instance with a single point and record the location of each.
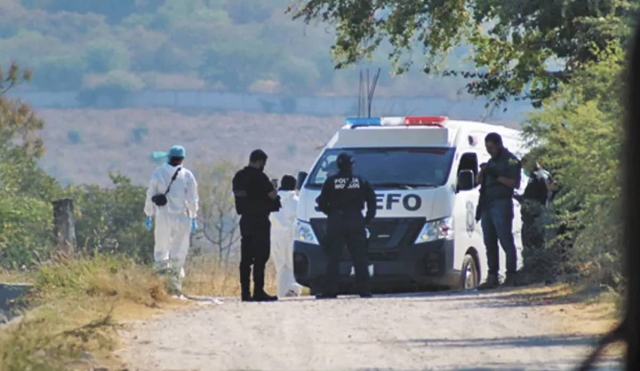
(342, 199)
(533, 203)
(172, 198)
(499, 179)
(255, 198)
(282, 236)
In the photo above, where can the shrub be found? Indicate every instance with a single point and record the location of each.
(578, 135)
(110, 220)
(25, 231)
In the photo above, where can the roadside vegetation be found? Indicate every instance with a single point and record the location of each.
(566, 59)
(78, 299)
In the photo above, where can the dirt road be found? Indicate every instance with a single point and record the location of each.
(400, 332)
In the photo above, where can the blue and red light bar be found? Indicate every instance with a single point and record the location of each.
(436, 121)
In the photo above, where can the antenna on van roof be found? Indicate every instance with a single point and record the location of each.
(365, 101)
(372, 90)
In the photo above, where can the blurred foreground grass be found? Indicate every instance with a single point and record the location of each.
(79, 304)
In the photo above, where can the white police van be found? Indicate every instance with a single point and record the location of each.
(423, 170)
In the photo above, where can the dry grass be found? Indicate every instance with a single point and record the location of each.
(207, 276)
(82, 303)
(76, 313)
(107, 142)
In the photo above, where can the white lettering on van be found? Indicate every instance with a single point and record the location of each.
(388, 201)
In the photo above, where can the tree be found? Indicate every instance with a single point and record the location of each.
(21, 145)
(217, 217)
(522, 49)
(579, 133)
(237, 65)
(110, 220)
(25, 212)
(60, 73)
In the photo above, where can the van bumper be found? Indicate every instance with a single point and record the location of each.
(428, 265)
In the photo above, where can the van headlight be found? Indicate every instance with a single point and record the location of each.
(304, 233)
(441, 229)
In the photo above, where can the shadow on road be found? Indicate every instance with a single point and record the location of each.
(511, 366)
(510, 342)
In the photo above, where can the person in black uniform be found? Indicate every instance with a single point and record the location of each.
(255, 199)
(342, 199)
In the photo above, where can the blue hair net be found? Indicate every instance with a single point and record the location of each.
(175, 151)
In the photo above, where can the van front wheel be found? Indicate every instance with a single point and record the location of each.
(469, 276)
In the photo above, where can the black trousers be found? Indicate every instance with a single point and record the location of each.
(346, 228)
(255, 248)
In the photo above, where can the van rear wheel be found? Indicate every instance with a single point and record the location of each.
(469, 276)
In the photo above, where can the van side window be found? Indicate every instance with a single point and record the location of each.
(469, 161)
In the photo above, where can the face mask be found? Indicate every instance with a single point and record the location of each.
(527, 173)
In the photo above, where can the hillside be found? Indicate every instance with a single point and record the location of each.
(230, 45)
(84, 145)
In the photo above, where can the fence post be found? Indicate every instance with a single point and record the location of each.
(64, 225)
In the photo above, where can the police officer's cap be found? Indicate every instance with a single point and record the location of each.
(344, 161)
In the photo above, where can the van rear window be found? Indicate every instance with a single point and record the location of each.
(390, 167)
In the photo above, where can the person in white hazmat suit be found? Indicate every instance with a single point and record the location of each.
(172, 198)
(282, 236)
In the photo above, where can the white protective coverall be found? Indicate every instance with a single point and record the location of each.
(173, 220)
(282, 224)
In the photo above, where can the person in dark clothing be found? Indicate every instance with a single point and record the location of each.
(342, 199)
(499, 178)
(533, 203)
(255, 199)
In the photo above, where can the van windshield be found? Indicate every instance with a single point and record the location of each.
(404, 168)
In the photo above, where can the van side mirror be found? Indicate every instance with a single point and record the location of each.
(302, 176)
(466, 180)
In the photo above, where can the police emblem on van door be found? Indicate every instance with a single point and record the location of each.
(471, 218)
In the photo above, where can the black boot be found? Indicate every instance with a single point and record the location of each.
(258, 285)
(492, 282)
(512, 280)
(260, 295)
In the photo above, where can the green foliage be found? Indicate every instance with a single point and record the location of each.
(60, 73)
(104, 57)
(236, 64)
(229, 44)
(25, 214)
(25, 231)
(110, 220)
(579, 136)
(519, 47)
